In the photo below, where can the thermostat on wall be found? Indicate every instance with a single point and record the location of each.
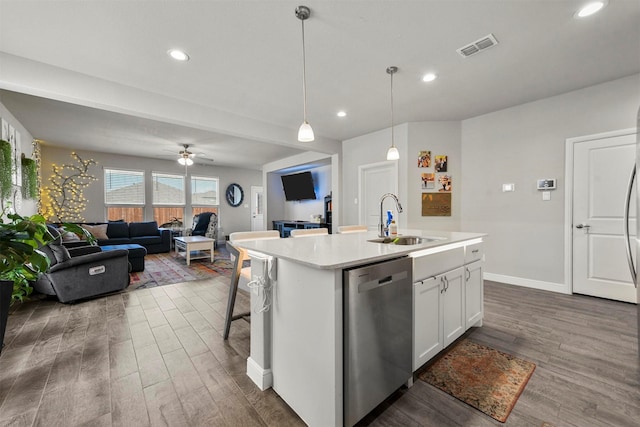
(546, 184)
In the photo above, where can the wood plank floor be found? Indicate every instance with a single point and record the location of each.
(156, 357)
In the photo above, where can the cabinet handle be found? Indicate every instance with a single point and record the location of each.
(468, 274)
(446, 283)
(442, 288)
(475, 251)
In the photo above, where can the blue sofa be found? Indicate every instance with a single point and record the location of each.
(147, 234)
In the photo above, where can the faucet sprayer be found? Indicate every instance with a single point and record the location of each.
(382, 228)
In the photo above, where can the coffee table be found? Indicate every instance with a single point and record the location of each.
(198, 244)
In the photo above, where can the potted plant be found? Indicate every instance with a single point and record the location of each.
(20, 260)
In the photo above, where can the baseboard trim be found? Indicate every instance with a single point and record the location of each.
(528, 283)
(263, 378)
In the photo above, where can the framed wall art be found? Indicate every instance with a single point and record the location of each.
(441, 163)
(424, 159)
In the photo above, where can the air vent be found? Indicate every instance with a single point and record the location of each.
(478, 46)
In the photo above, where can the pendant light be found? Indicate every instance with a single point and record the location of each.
(392, 153)
(305, 133)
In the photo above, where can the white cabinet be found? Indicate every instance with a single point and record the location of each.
(453, 312)
(427, 330)
(439, 315)
(474, 294)
(447, 299)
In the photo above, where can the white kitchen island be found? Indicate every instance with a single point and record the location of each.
(297, 344)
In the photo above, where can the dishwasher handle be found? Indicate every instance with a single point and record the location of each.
(384, 281)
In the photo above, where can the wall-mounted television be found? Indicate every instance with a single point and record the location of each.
(298, 186)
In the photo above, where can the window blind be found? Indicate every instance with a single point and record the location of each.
(123, 187)
(168, 189)
(204, 191)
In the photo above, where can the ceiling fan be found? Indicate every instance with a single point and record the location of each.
(186, 156)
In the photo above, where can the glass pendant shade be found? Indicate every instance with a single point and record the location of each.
(392, 153)
(185, 161)
(305, 133)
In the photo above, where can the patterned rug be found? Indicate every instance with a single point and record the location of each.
(487, 379)
(167, 268)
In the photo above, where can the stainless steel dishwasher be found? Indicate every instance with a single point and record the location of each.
(378, 313)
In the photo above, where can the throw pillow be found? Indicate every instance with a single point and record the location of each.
(60, 253)
(98, 231)
(68, 236)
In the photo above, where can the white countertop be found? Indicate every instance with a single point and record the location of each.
(336, 251)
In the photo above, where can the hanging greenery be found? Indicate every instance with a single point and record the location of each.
(6, 168)
(29, 178)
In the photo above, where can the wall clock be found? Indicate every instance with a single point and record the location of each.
(234, 195)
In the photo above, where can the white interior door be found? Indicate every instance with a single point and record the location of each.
(257, 209)
(374, 181)
(602, 168)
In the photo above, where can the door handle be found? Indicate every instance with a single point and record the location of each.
(583, 226)
(632, 268)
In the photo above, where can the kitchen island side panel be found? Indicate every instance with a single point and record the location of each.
(307, 342)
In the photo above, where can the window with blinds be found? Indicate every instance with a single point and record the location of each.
(168, 189)
(204, 191)
(123, 187)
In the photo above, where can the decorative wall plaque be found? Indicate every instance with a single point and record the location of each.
(436, 204)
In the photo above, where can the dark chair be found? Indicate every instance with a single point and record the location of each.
(205, 224)
(82, 272)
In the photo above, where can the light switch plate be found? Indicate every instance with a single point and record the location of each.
(508, 187)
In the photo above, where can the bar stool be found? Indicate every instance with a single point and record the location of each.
(240, 255)
(304, 232)
(352, 229)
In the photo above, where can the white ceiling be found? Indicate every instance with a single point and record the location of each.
(246, 62)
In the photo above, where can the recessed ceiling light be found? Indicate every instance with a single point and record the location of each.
(590, 8)
(178, 55)
(342, 114)
(429, 77)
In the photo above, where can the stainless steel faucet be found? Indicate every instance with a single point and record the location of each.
(382, 228)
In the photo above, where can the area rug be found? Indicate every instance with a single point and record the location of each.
(484, 378)
(168, 268)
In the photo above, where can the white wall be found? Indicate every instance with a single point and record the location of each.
(303, 209)
(325, 172)
(24, 207)
(369, 149)
(231, 219)
(441, 138)
(519, 145)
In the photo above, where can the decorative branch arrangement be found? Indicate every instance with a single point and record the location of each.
(65, 195)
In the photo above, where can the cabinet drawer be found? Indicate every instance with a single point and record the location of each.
(473, 253)
(434, 264)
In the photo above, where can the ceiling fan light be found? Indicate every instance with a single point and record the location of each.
(188, 161)
(392, 153)
(305, 133)
(182, 161)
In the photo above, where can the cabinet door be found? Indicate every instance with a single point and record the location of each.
(427, 315)
(474, 293)
(453, 311)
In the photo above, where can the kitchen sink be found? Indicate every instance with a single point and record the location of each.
(405, 240)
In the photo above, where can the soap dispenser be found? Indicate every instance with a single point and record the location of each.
(393, 228)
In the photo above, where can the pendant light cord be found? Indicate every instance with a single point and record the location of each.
(392, 139)
(304, 75)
